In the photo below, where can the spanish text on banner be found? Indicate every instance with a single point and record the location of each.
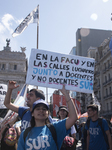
(3, 91)
(49, 69)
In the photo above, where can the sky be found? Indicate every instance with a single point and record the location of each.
(58, 23)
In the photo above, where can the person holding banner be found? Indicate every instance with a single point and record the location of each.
(24, 112)
(39, 136)
(62, 114)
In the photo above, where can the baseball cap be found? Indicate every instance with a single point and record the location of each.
(40, 101)
(63, 107)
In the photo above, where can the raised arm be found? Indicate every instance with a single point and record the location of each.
(72, 109)
(7, 102)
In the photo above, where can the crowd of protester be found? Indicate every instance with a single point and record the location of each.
(38, 130)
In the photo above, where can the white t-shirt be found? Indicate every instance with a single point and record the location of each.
(73, 130)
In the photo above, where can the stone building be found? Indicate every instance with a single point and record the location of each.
(13, 66)
(103, 76)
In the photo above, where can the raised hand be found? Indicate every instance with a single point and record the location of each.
(64, 91)
(12, 85)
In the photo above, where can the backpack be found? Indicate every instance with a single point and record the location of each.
(69, 143)
(24, 113)
(100, 124)
(11, 137)
(52, 130)
(84, 132)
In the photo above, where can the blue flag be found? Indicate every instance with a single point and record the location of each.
(110, 45)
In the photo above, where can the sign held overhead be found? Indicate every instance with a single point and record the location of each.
(50, 69)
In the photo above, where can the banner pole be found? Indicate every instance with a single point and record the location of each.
(46, 94)
(37, 34)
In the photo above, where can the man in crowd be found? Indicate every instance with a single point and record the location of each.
(95, 135)
(24, 112)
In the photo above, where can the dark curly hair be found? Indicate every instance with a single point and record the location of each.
(93, 107)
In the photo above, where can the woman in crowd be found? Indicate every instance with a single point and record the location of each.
(62, 114)
(39, 136)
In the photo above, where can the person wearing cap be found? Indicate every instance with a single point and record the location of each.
(95, 135)
(62, 114)
(39, 136)
(23, 112)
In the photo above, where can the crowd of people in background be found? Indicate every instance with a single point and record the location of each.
(38, 127)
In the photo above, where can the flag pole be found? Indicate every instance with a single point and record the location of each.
(47, 94)
(37, 40)
(37, 48)
(37, 34)
(38, 28)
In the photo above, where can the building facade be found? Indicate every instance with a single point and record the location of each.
(13, 66)
(103, 77)
(88, 41)
(89, 37)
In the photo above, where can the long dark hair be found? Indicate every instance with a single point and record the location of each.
(32, 122)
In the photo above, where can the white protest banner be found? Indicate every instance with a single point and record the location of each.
(3, 90)
(49, 69)
(11, 116)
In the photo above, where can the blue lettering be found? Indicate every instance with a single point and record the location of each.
(45, 71)
(86, 85)
(50, 71)
(81, 83)
(35, 70)
(40, 71)
(55, 72)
